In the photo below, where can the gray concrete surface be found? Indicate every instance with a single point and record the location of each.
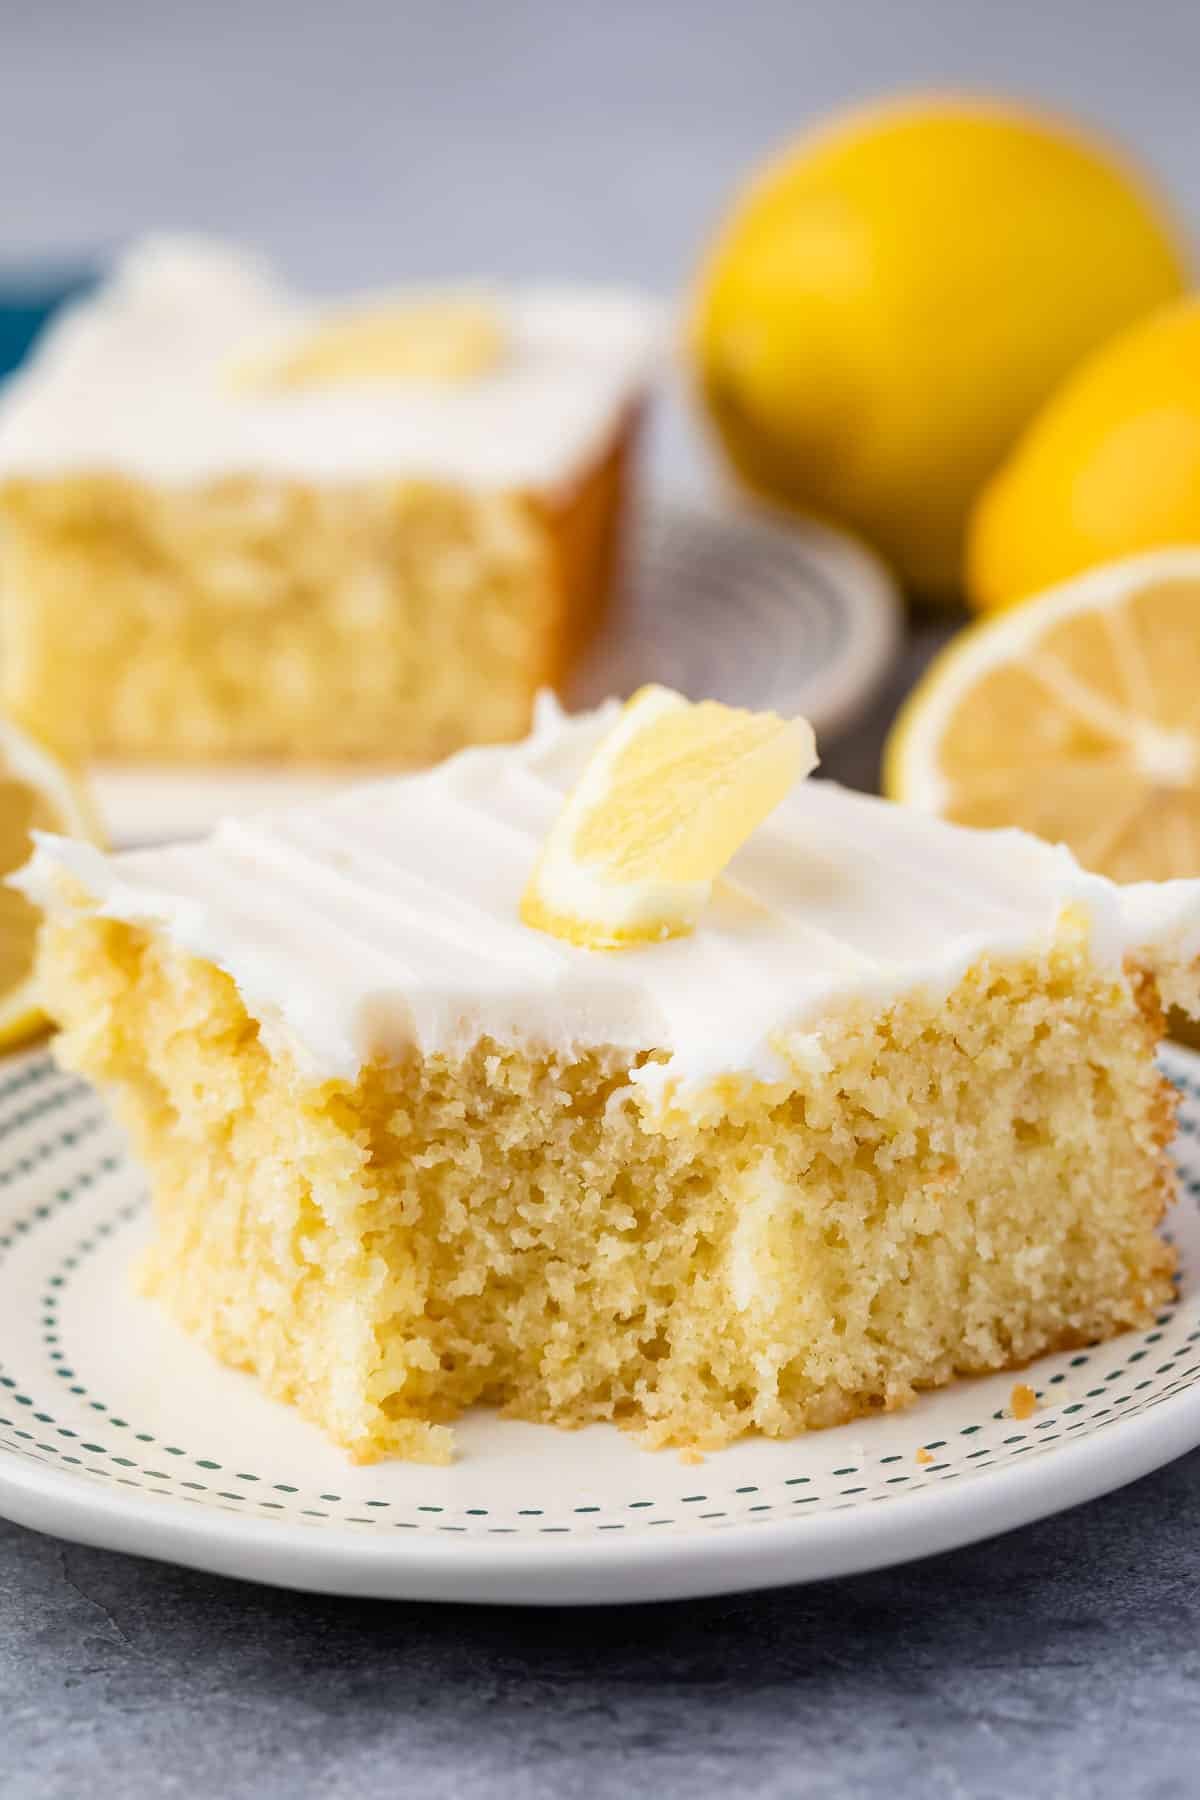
(1059, 1663)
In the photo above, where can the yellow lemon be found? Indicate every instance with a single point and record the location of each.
(1110, 466)
(669, 794)
(896, 294)
(454, 338)
(1075, 716)
(37, 793)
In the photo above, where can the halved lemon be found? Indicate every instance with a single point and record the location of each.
(37, 793)
(447, 339)
(1075, 716)
(668, 796)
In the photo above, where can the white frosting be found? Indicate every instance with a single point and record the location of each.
(138, 380)
(387, 916)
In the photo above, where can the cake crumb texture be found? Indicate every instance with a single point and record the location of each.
(953, 1186)
(259, 617)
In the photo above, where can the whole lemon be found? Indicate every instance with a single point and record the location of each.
(897, 293)
(1111, 465)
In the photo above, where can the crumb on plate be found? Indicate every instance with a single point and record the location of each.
(1022, 1401)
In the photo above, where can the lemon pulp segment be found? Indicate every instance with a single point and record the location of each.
(445, 340)
(670, 794)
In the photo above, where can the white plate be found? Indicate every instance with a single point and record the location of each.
(736, 606)
(117, 1430)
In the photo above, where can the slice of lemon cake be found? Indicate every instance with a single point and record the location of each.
(868, 1103)
(234, 523)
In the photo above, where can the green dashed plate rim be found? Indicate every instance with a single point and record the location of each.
(116, 1430)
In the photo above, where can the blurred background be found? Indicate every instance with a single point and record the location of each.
(384, 138)
(891, 331)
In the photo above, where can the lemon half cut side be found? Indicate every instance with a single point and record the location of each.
(1075, 716)
(37, 793)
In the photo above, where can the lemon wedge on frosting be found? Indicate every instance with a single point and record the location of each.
(451, 339)
(670, 793)
(37, 793)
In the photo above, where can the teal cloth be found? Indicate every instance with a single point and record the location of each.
(27, 302)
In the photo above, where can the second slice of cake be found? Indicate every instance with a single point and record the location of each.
(235, 523)
(887, 1113)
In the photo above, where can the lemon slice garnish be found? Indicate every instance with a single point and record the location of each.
(669, 794)
(37, 793)
(447, 340)
(1076, 716)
